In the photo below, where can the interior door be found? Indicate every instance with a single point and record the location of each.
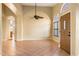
(65, 32)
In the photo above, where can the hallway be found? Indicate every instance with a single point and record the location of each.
(32, 48)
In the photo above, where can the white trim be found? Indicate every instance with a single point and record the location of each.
(31, 39)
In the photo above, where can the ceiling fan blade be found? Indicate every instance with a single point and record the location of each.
(37, 17)
(41, 17)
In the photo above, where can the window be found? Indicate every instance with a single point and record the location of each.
(55, 27)
(65, 7)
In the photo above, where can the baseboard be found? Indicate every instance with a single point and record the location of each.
(32, 39)
(19, 40)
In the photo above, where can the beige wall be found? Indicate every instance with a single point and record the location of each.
(73, 28)
(0, 28)
(77, 30)
(36, 29)
(19, 22)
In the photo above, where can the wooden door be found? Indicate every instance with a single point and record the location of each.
(65, 32)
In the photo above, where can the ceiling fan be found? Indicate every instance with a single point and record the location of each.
(37, 16)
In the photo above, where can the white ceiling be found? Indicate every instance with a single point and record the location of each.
(39, 4)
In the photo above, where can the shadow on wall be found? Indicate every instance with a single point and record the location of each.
(36, 29)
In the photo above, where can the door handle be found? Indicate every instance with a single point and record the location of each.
(69, 35)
